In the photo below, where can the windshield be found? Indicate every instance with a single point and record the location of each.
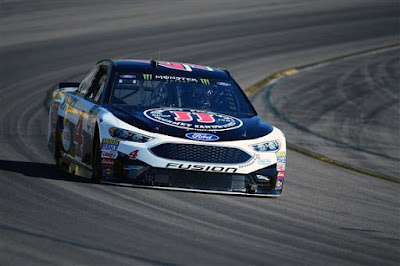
(143, 91)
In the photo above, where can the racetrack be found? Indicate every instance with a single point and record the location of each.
(358, 106)
(327, 214)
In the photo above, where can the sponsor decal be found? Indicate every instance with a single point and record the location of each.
(196, 167)
(281, 159)
(226, 84)
(202, 136)
(264, 161)
(193, 119)
(106, 161)
(110, 145)
(109, 154)
(184, 67)
(279, 183)
(108, 171)
(110, 141)
(133, 155)
(279, 180)
(176, 79)
(128, 76)
(281, 154)
(66, 137)
(280, 167)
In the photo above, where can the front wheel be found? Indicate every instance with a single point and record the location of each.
(96, 160)
(57, 145)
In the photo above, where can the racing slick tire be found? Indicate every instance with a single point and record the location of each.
(57, 146)
(96, 159)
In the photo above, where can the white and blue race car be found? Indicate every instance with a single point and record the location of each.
(165, 125)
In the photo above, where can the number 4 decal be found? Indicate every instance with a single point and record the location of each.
(133, 155)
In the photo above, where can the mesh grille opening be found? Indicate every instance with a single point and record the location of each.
(200, 153)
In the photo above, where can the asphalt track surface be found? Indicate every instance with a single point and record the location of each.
(327, 215)
(357, 102)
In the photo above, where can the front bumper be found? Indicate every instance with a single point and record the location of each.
(139, 174)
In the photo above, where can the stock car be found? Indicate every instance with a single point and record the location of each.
(165, 125)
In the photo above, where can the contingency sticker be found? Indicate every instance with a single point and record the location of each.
(280, 167)
(109, 154)
(110, 145)
(279, 183)
(107, 170)
(281, 154)
(279, 180)
(281, 159)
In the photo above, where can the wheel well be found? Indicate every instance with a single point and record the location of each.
(96, 136)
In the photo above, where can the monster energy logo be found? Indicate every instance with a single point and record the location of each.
(205, 81)
(147, 76)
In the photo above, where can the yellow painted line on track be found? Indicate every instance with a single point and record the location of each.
(250, 91)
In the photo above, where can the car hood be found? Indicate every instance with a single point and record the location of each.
(193, 124)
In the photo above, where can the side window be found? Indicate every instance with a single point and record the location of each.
(87, 81)
(96, 89)
(102, 84)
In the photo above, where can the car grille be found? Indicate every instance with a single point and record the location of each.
(198, 180)
(200, 153)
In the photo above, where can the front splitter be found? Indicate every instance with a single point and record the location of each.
(203, 191)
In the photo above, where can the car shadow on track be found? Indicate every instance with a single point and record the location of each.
(40, 170)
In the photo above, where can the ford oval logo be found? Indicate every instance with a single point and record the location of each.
(202, 136)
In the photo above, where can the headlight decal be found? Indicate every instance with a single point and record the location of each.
(124, 134)
(268, 146)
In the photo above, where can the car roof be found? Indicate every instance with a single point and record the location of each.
(169, 68)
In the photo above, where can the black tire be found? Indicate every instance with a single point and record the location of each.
(96, 159)
(57, 145)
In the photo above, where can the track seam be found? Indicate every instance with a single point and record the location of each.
(273, 78)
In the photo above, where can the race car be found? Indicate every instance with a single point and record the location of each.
(165, 125)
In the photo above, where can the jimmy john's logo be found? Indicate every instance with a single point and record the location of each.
(197, 167)
(193, 119)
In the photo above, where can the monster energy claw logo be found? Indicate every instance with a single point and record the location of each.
(147, 76)
(205, 81)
